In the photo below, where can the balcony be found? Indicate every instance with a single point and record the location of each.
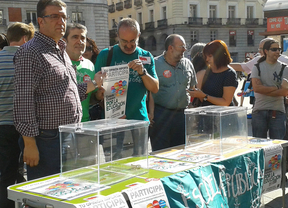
(34, 22)
(195, 20)
(113, 33)
(162, 23)
(119, 6)
(111, 8)
(252, 21)
(149, 1)
(138, 3)
(233, 21)
(265, 21)
(149, 26)
(82, 22)
(214, 21)
(128, 4)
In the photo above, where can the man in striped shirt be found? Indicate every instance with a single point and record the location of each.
(17, 34)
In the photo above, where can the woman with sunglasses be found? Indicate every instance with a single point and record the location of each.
(220, 79)
(269, 110)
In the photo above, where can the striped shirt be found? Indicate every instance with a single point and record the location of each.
(7, 84)
(46, 91)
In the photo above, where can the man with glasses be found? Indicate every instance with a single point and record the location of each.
(142, 75)
(46, 91)
(176, 75)
(269, 110)
(248, 66)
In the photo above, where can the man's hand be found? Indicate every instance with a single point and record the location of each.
(100, 93)
(30, 153)
(99, 76)
(136, 65)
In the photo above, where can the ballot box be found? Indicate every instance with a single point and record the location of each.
(95, 156)
(216, 129)
(98, 151)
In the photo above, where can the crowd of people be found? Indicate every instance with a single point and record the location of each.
(53, 77)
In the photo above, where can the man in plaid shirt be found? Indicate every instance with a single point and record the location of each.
(46, 91)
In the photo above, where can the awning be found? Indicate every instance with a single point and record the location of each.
(272, 5)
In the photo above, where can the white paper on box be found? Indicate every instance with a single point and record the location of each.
(115, 200)
(116, 86)
(151, 194)
(272, 172)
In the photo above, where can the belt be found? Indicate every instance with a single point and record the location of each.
(175, 110)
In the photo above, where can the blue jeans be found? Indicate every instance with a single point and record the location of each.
(48, 144)
(264, 120)
(9, 160)
(168, 129)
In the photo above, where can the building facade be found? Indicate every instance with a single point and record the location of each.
(237, 22)
(91, 13)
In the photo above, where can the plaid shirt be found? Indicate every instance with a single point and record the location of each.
(46, 91)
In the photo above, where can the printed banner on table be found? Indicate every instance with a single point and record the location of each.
(272, 174)
(149, 195)
(116, 86)
(116, 200)
(63, 188)
(236, 182)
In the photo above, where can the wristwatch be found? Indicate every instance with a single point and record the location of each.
(94, 83)
(144, 72)
(205, 98)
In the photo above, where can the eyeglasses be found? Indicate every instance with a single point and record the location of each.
(132, 42)
(56, 17)
(275, 49)
(182, 47)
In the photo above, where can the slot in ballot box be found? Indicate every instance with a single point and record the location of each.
(216, 129)
(94, 151)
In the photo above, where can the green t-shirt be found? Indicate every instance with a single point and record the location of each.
(136, 94)
(85, 72)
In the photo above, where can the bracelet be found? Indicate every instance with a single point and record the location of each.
(94, 83)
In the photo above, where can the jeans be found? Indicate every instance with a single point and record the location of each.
(48, 144)
(264, 120)
(168, 129)
(9, 159)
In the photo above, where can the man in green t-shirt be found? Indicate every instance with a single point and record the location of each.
(75, 37)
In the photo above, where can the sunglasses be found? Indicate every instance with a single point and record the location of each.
(275, 49)
(89, 48)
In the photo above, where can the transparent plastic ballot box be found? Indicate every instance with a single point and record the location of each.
(103, 151)
(216, 129)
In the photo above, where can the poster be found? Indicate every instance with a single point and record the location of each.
(149, 195)
(116, 200)
(63, 188)
(116, 86)
(163, 165)
(272, 172)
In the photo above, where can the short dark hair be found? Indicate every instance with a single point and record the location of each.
(71, 26)
(42, 4)
(129, 22)
(218, 49)
(3, 40)
(18, 29)
(169, 41)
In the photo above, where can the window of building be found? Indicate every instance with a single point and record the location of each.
(164, 12)
(213, 35)
(234, 56)
(250, 12)
(31, 17)
(193, 10)
(139, 18)
(232, 12)
(130, 16)
(77, 17)
(194, 37)
(250, 37)
(151, 15)
(113, 23)
(1, 16)
(232, 38)
(212, 11)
